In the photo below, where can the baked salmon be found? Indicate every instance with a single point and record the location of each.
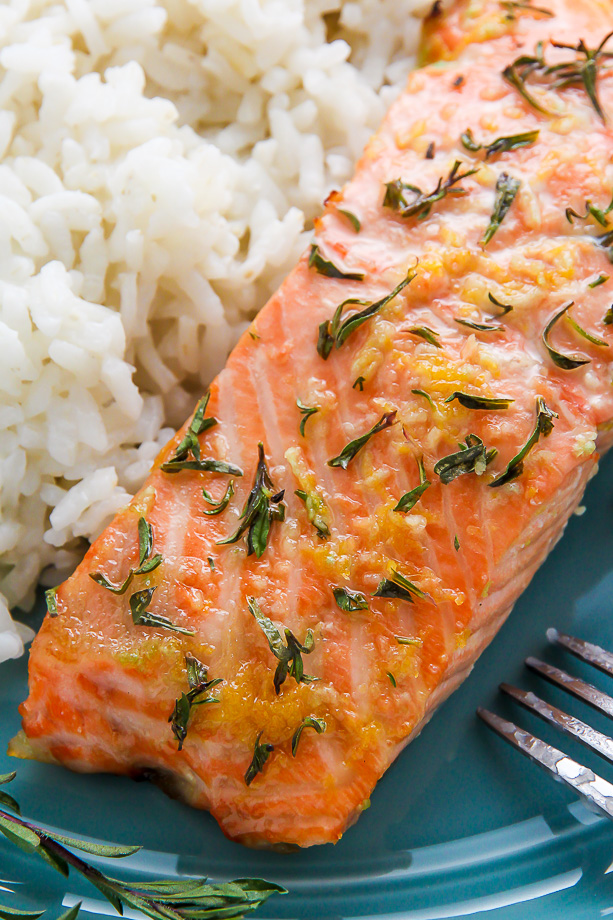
(321, 553)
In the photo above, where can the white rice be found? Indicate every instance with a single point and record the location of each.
(160, 164)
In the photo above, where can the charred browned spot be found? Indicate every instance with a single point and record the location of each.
(334, 196)
(435, 10)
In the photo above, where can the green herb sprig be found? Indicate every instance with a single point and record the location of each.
(506, 189)
(543, 427)
(222, 504)
(306, 412)
(500, 144)
(354, 447)
(261, 753)
(290, 655)
(316, 510)
(51, 601)
(310, 722)
(505, 307)
(399, 588)
(421, 202)
(473, 458)
(349, 601)
(600, 215)
(263, 506)
(580, 71)
(139, 604)
(514, 7)
(351, 217)
(146, 562)
(565, 362)
(335, 332)
(163, 899)
(190, 445)
(479, 327)
(197, 674)
(329, 269)
(429, 335)
(471, 401)
(410, 499)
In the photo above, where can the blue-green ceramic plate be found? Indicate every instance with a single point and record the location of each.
(460, 825)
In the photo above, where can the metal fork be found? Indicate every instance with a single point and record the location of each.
(596, 791)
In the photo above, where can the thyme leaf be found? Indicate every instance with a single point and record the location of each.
(409, 640)
(162, 899)
(205, 465)
(410, 499)
(310, 722)
(470, 401)
(288, 653)
(505, 307)
(198, 425)
(399, 588)
(103, 581)
(263, 506)
(479, 327)
(353, 220)
(506, 189)
(500, 144)
(359, 382)
(544, 427)
(456, 543)
(586, 335)
(426, 396)
(197, 674)
(392, 679)
(470, 459)
(565, 362)
(316, 511)
(606, 241)
(146, 562)
(601, 279)
(306, 412)
(580, 71)
(426, 333)
(261, 753)
(421, 203)
(139, 604)
(352, 449)
(599, 215)
(51, 599)
(327, 268)
(222, 504)
(349, 601)
(336, 331)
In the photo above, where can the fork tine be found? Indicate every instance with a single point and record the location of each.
(578, 688)
(590, 737)
(595, 790)
(587, 651)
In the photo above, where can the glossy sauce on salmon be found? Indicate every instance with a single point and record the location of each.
(446, 445)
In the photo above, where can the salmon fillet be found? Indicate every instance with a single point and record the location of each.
(299, 632)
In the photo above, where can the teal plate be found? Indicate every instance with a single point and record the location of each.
(459, 825)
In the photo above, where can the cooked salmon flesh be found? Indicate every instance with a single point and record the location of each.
(321, 553)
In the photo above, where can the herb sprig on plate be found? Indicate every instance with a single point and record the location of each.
(163, 899)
